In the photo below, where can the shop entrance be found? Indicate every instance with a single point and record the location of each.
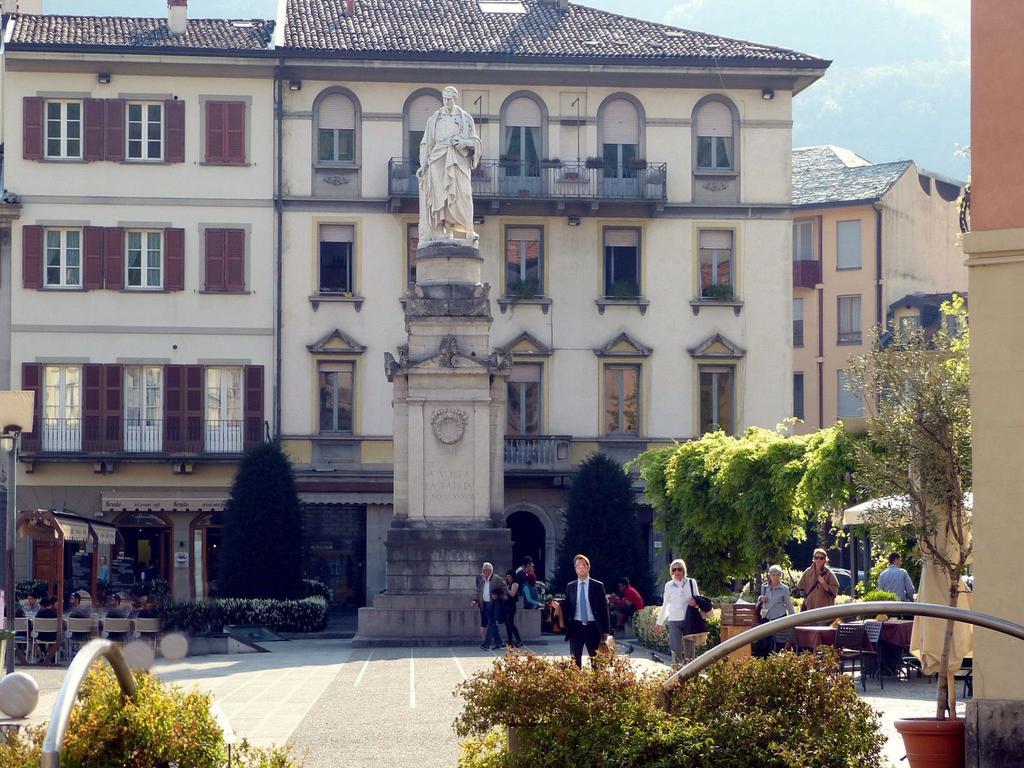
(146, 550)
(207, 535)
(334, 544)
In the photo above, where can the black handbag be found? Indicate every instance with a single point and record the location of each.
(694, 622)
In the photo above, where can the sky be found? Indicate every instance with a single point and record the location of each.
(898, 88)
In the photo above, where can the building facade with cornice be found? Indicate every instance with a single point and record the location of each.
(633, 202)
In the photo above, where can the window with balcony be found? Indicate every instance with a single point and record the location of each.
(64, 130)
(522, 146)
(849, 404)
(798, 322)
(848, 245)
(62, 408)
(803, 241)
(144, 259)
(224, 425)
(143, 413)
(849, 319)
(621, 399)
(524, 394)
(621, 263)
(620, 130)
(336, 259)
(798, 395)
(63, 258)
(717, 384)
(524, 268)
(336, 129)
(714, 127)
(145, 140)
(716, 264)
(336, 397)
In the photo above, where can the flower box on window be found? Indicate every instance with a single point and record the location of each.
(509, 161)
(717, 292)
(595, 162)
(552, 162)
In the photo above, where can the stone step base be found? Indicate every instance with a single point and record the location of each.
(429, 642)
(438, 625)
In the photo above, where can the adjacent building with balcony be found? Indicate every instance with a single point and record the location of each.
(141, 277)
(867, 237)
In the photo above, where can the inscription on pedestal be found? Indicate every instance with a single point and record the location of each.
(447, 487)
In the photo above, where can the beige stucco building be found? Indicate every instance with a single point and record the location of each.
(634, 214)
(865, 237)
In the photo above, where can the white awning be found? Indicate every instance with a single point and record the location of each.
(855, 515)
(73, 527)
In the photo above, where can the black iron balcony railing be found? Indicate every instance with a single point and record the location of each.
(573, 180)
(537, 451)
(116, 434)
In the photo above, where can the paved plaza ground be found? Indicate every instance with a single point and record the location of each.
(387, 706)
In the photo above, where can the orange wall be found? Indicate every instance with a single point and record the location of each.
(997, 113)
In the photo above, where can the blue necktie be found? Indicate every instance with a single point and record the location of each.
(583, 605)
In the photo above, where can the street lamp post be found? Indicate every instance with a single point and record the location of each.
(16, 413)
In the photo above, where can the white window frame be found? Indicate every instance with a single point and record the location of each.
(620, 421)
(341, 367)
(62, 421)
(144, 139)
(143, 409)
(64, 123)
(715, 371)
(146, 252)
(522, 387)
(63, 264)
(222, 423)
(803, 234)
(850, 335)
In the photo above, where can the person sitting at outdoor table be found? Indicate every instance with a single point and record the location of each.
(116, 609)
(818, 583)
(31, 606)
(896, 580)
(147, 609)
(46, 611)
(774, 603)
(626, 601)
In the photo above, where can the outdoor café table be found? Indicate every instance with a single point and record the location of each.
(812, 637)
(895, 637)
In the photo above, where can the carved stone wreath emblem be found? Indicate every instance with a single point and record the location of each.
(449, 425)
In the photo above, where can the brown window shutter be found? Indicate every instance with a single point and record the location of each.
(92, 407)
(32, 381)
(216, 130)
(253, 405)
(174, 401)
(32, 127)
(174, 131)
(215, 257)
(114, 126)
(94, 122)
(195, 388)
(234, 260)
(92, 274)
(113, 258)
(32, 256)
(113, 407)
(235, 139)
(174, 259)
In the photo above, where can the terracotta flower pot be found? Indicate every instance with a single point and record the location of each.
(933, 743)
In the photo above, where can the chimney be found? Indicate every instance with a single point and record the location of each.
(177, 16)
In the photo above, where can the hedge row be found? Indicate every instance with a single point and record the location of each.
(205, 616)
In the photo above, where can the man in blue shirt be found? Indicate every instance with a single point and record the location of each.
(896, 580)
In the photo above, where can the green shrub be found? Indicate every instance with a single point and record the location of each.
(163, 725)
(202, 617)
(876, 595)
(788, 711)
(643, 626)
(315, 588)
(28, 587)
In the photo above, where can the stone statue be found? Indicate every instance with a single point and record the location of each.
(449, 152)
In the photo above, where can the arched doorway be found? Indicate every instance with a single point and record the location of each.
(528, 538)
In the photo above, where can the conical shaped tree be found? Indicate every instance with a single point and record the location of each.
(601, 522)
(262, 546)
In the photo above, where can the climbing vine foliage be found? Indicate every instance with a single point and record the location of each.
(730, 504)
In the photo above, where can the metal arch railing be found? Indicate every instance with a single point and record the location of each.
(762, 631)
(54, 741)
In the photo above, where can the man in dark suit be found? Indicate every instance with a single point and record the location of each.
(586, 612)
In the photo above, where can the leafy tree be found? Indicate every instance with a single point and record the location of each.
(731, 504)
(602, 523)
(262, 544)
(917, 389)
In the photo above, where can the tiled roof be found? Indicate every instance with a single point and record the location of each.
(824, 175)
(461, 28)
(126, 32)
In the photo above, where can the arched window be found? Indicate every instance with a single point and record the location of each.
(336, 129)
(714, 128)
(523, 144)
(418, 110)
(620, 133)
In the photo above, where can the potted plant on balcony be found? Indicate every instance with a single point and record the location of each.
(717, 292)
(550, 162)
(595, 162)
(637, 164)
(918, 465)
(509, 161)
(517, 289)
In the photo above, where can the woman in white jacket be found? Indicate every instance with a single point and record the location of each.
(679, 593)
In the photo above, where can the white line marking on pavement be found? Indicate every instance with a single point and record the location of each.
(458, 664)
(412, 678)
(363, 670)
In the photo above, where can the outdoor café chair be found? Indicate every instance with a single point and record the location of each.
(147, 629)
(850, 644)
(45, 627)
(873, 630)
(77, 632)
(21, 636)
(116, 629)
